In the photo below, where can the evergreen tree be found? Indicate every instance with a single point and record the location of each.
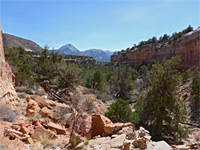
(195, 105)
(99, 81)
(124, 84)
(161, 110)
(120, 111)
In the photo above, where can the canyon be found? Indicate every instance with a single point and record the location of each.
(188, 47)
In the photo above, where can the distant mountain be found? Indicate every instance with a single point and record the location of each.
(69, 49)
(100, 55)
(14, 41)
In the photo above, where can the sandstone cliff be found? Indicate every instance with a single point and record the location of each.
(7, 78)
(188, 47)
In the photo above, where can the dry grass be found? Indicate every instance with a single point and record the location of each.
(6, 114)
(45, 142)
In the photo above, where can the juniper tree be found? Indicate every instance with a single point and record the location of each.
(161, 110)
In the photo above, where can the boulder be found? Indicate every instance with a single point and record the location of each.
(140, 143)
(113, 128)
(41, 101)
(26, 128)
(182, 147)
(41, 132)
(129, 132)
(45, 112)
(142, 138)
(118, 142)
(55, 127)
(32, 107)
(161, 145)
(98, 123)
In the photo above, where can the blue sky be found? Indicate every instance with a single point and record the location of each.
(104, 24)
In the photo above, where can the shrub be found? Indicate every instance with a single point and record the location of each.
(89, 105)
(195, 85)
(143, 70)
(185, 75)
(60, 114)
(6, 114)
(120, 111)
(195, 105)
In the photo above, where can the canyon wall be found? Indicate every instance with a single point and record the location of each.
(188, 47)
(7, 78)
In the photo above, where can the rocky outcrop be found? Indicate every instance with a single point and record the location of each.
(188, 47)
(7, 78)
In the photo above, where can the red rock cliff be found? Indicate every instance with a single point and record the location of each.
(188, 48)
(7, 78)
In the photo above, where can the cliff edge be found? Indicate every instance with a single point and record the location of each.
(7, 78)
(188, 47)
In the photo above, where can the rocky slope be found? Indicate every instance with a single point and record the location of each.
(7, 78)
(14, 41)
(188, 47)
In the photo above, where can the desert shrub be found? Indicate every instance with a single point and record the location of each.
(103, 96)
(6, 114)
(143, 70)
(60, 114)
(185, 75)
(89, 105)
(120, 111)
(45, 142)
(195, 105)
(195, 85)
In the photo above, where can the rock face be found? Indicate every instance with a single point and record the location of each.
(7, 78)
(188, 47)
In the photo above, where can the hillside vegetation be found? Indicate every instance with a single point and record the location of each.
(158, 106)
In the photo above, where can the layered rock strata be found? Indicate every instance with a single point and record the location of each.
(188, 47)
(7, 78)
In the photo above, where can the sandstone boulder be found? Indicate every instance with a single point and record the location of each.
(118, 142)
(32, 107)
(45, 112)
(55, 127)
(113, 128)
(98, 123)
(41, 101)
(161, 145)
(41, 132)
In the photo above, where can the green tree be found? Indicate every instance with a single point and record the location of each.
(195, 85)
(161, 110)
(99, 81)
(185, 75)
(143, 70)
(120, 111)
(195, 105)
(68, 75)
(124, 84)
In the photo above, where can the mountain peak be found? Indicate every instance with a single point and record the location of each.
(69, 49)
(99, 54)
